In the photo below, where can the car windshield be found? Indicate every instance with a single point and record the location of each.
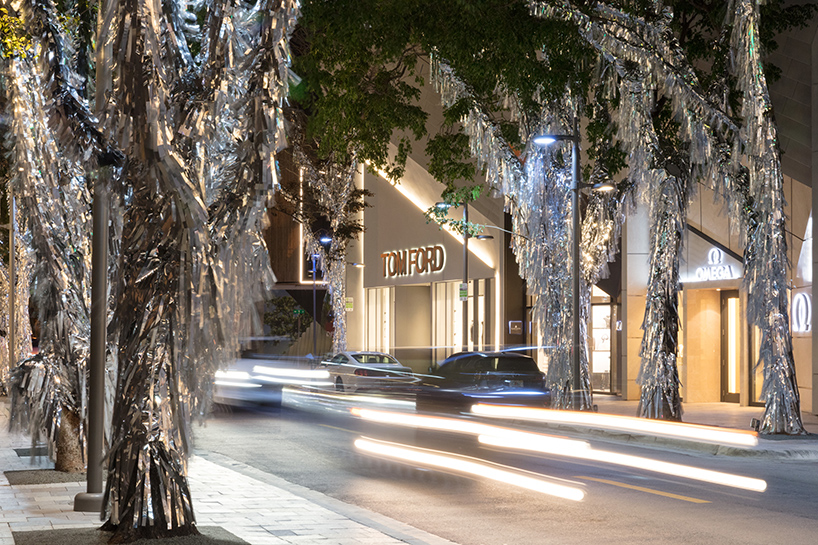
(374, 358)
(514, 365)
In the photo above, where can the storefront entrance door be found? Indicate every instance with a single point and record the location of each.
(730, 346)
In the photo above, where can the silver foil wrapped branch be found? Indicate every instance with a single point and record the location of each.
(50, 184)
(22, 329)
(333, 188)
(183, 209)
(765, 276)
(503, 169)
(537, 195)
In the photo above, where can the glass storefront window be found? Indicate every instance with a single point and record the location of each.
(379, 324)
(600, 333)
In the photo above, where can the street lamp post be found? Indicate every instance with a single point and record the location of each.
(575, 236)
(576, 186)
(465, 283)
(465, 300)
(314, 316)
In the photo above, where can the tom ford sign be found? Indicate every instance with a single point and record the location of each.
(428, 259)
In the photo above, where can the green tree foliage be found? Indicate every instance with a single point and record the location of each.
(286, 318)
(13, 41)
(359, 85)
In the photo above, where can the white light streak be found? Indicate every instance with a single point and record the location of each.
(557, 446)
(232, 375)
(548, 443)
(350, 398)
(710, 434)
(469, 466)
(638, 462)
(291, 373)
(292, 381)
(236, 384)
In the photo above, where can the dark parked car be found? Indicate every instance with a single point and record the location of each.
(467, 378)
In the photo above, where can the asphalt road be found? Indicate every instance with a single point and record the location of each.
(310, 443)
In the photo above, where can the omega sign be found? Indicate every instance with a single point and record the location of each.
(801, 313)
(424, 260)
(715, 269)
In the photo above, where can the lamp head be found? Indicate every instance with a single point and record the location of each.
(543, 140)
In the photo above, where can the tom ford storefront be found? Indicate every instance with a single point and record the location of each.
(411, 285)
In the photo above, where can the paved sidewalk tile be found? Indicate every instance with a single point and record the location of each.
(256, 521)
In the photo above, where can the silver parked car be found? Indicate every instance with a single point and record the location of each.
(357, 371)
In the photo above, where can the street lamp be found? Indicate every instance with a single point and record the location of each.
(576, 185)
(314, 316)
(324, 240)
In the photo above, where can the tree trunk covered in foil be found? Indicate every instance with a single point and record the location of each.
(200, 139)
(146, 491)
(53, 205)
(658, 375)
(765, 276)
(336, 201)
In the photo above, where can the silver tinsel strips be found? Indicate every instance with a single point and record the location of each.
(717, 149)
(658, 375)
(200, 146)
(765, 273)
(54, 205)
(332, 186)
(23, 324)
(537, 198)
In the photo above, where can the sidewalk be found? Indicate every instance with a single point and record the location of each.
(262, 509)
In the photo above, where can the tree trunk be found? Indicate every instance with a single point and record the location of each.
(70, 457)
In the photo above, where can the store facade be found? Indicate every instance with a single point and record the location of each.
(410, 292)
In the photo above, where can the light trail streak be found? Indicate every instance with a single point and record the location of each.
(697, 432)
(352, 398)
(639, 462)
(468, 466)
(547, 443)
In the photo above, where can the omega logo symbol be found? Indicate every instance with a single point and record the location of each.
(715, 256)
(801, 313)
